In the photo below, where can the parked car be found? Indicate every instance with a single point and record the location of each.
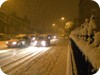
(41, 41)
(19, 41)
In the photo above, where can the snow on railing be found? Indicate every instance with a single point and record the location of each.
(87, 32)
(88, 40)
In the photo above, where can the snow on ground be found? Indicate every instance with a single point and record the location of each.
(53, 62)
(3, 51)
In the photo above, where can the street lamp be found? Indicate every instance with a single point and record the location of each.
(58, 27)
(54, 28)
(53, 24)
(62, 18)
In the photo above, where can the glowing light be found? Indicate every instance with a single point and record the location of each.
(97, 1)
(33, 38)
(1, 73)
(35, 42)
(14, 43)
(54, 37)
(53, 24)
(7, 42)
(2, 1)
(43, 43)
(62, 18)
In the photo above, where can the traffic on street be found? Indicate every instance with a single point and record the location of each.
(35, 60)
(49, 37)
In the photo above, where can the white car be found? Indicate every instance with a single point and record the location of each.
(19, 41)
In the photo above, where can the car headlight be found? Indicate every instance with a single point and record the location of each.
(35, 42)
(43, 43)
(33, 38)
(7, 42)
(54, 37)
(23, 42)
(49, 37)
(14, 43)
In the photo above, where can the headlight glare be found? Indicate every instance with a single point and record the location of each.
(14, 43)
(33, 38)
(43, 43)
(54, 37)
(35, 42)
(7, 42)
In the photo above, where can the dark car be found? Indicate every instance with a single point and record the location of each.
(50, 36)
(33, 37)
(41, 41)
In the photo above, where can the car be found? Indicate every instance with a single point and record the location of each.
(19, 41)
(50, 36)
(33, 37)
(41, 41)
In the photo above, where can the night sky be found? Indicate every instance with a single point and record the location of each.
(43, 12)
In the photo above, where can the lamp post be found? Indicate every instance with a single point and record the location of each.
(59, 26)
(53, 24)
(62, 25)
(62, 22)
(53, 27)
(62, 18)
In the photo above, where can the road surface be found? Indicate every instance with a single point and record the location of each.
(51, 60)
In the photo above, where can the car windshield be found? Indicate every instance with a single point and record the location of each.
(17, 38)
(42, 37)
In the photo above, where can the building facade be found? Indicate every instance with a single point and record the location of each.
(12, 24)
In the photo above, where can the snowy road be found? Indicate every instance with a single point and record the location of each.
(36, 61)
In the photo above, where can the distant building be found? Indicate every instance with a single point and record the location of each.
(12, 24)
(88, 8)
